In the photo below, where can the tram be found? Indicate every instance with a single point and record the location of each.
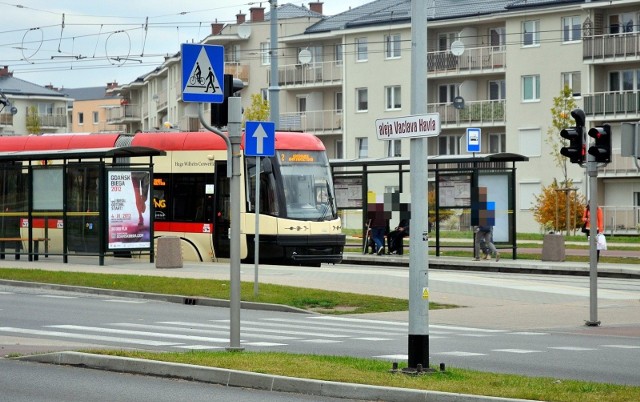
(190, 196)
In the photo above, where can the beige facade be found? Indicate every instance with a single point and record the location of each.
(336, 83)
(90, 116)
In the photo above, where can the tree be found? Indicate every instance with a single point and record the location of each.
(551, 211)
(33, 120)
(561, 118)
(258, 110)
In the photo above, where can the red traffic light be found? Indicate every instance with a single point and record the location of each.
(601, 148)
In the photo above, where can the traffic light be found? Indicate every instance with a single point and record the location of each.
(601, 148)
(220, 111)
(576, 149)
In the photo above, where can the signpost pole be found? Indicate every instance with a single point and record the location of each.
(257, 235)
(418, 345)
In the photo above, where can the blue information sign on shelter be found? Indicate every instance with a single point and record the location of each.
(473, 139)
(260, 138)
(202, 73)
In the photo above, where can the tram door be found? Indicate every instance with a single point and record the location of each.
(222, 211)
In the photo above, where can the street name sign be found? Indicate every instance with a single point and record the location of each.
(427, 125)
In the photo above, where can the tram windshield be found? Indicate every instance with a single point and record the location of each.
(307, 187)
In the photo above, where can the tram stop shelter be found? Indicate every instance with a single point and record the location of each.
(464, 191)
(90, 201)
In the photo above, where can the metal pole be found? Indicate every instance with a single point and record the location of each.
(235, 136)
(418, 347)
(592, 171)
(274, 87)
(256, 257)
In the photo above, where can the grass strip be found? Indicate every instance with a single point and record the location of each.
(323, 301)
(377, 372)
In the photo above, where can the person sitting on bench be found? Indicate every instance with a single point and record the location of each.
(394, 239)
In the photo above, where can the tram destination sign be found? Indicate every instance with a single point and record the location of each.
(426, 125)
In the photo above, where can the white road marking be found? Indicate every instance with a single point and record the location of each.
(199, 347)
(574, 348)
(142, 333)
(255, 329)
(87, 337)
(621, 346)
(126, 301)
(460, 354)
(320, 341)
(392, 357)
(521, 351)
(201, 331)
(58, 296)
(528, 333)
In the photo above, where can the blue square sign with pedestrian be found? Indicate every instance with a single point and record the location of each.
(202, 73)
(260, 138)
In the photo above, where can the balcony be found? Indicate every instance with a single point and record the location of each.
(238, 70)
(621, 220)
(477, 60)
(620, 166)
(612, 105)
(476, 113)
(6, 119)
(123, 114)
(52, 120)
(317, 122)
(318, 74)
(611, 47)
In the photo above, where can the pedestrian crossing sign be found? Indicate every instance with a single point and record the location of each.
(202, 73)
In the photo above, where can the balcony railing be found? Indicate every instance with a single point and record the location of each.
(612, 104)
(621, 220)
(6, 119)
(238, 70)
(319, 121)
(123, 113)
(473, 60)
(327, 72)
(601, 47)
(475, 112)
(619, 166)
(52, 120)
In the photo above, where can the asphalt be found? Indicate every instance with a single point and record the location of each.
(297, 385)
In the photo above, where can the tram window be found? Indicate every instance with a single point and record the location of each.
(268, 197)
(188, 196)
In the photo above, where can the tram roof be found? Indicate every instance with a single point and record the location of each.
(432, 160)
(87, 153)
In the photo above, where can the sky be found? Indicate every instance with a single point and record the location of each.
(73, 44)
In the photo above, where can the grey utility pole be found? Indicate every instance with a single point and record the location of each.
(274, 86)
(418, 350)
(592, 172)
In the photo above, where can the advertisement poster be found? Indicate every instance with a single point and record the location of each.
(128, 209)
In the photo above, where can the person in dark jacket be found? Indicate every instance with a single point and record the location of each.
(394, 239)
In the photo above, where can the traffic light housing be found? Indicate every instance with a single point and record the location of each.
(601, 148)
(576, 149)
(220, 111)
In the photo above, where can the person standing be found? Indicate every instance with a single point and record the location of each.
(484, 243)
(586, 227)
(378, 228)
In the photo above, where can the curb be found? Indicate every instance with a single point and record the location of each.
(265, 382)
(189, 300)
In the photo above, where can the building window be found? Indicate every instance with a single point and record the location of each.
(264, 92)
(338, 54)
(96, 118)
(393, 96)
(232, 53)
(572, 80)
(361, 49)
(394, 148)
(571, 29)
(497, 38)
(626, 80)
(45, 109)
(362, 145)
(338, 102)
(392, 46)
(446, 39)
(362, 102)
(265, 54)
(497, 143)
(497, 90)
(80, 118)
(531, 33)
(338, 150)
(530, 142)
(621, 23)
(447, 92)
(531, 88)
(449, 144)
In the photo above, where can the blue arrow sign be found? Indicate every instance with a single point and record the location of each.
(260, 138)
(202, 73)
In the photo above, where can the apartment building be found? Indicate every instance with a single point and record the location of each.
(31, 103)
(338, 74)
(89, 106)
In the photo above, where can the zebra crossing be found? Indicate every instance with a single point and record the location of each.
(280, 332)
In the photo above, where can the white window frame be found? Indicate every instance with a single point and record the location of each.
(362, 147)
(338, 54)
(571, 29)
(338, 102)
(499, 141)
(500, 33)
(362, 50)
(393, 97)
(451, 144)
(394, 148)
(265, 53)
(574, 81)
(451, 91)
(80, 118)
(96, 117)
(359, 92)
(530, 33)
(532, 81)
(502, 89)
(392, 46)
